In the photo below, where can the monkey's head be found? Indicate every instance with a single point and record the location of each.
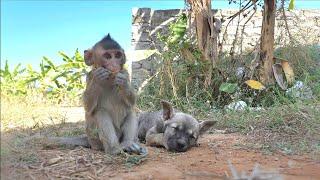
(106, 53)
(181, 130)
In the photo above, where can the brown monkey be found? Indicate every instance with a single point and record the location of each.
(111, 124)
(109, 100)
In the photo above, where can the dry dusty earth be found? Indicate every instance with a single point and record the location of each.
(208, 161)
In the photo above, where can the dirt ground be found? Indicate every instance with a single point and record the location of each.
(207, 161)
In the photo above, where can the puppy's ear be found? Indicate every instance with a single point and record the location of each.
(167, 110)
(205, 126)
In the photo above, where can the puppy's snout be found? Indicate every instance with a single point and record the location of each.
(182, 145)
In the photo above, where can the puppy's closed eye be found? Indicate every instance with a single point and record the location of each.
(174, 126)
(193, 136)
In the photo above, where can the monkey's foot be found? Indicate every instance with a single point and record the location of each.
(134, 148)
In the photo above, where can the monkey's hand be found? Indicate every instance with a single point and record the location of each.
(121, 79)
(134, 148)
(101, 75)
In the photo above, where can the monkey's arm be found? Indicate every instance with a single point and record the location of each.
(154, 138)
(129, 129)
(91, 94)
(125, 91)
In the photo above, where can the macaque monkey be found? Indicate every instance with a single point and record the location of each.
(109, 100)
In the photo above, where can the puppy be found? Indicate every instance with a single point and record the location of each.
(176, 131)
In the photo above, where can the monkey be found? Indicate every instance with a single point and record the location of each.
(109, 100)
(176, 131)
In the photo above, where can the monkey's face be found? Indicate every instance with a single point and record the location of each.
(106, 53)
(112, 59)
(181, 132)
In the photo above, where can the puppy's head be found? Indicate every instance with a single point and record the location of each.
(181, 131)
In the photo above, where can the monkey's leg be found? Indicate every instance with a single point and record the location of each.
(129, 136)
(93, 133)
(153, 138)
(107, 133)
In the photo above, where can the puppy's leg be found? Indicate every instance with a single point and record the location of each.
(153, 138)
(107, 133)
(129, 130)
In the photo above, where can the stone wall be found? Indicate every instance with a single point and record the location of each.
(304, 26)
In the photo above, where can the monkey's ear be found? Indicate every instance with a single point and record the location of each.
(124, 58)
(205, 126)
(88, 57)
(167, 110)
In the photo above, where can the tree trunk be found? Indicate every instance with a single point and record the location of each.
(206, 33)
(267, 42)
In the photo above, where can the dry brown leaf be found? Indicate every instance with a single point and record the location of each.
(288, 71)
(278, 74)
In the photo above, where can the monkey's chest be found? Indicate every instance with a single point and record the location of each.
(116, 109)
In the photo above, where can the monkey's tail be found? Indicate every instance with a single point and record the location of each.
(69, 142)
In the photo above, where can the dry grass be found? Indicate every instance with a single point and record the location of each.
(288, 128)
(23, 156)
(79, 163)
(291, 129)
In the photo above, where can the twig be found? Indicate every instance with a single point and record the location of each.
(231, 19)
(242, 31)
(285, 19)
(145, 82)
(232, 49)
(254, 62)
(247, 6)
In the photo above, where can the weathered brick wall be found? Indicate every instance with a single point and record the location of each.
(304, 25)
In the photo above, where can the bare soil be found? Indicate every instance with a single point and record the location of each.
(207, 161)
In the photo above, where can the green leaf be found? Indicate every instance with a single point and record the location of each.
(78, 56)
(15, 71)
(65, 57)
(54, 78)
(291, 5)
(50, 63)
(6, 68)
(228, 87)
(178, 29)
(31, 80)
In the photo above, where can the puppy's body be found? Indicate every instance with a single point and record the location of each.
(146, 121)
(176, 131)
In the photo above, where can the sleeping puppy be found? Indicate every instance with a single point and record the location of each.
(176, 131)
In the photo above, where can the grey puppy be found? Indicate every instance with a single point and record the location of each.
(176, 131)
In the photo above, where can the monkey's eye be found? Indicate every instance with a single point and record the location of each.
(107, 55)
(118, 55)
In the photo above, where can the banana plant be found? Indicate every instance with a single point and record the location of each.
(178, 29)
(12, 82)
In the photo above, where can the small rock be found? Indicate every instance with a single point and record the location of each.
(237, 106)
(240, 72)
(300, 90)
